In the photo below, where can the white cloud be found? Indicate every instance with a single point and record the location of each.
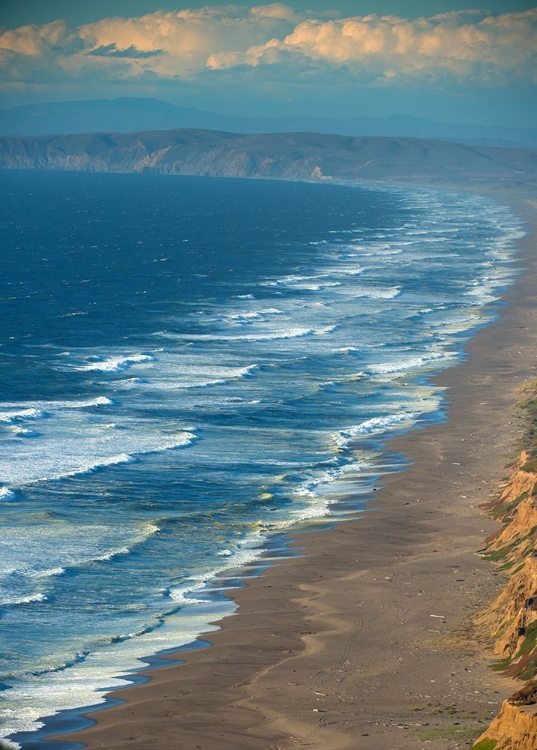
(189, 37)
(186, 44)
(461, 44)
(37, 41)
(276, 10)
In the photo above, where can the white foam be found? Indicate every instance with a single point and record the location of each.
(181, 595)
(248, 315)
(302, 283)
(100, 463)
(86, 682)
(60, 456)
(9, 745)
(344, 269)
(289, 333)
(98, 401)
(22, 600)
(149, 529)
(412, 363)
(17, 412)
(327, 481)
(180, 373)
(115, 363)
(23, 432)
(8, 417)
(66, 545)
(47, 573)
(6, 493)
(374, 426)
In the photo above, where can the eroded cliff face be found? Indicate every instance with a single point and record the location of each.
(290, 156)
(510, 623)
(511, 620)
(515, 728)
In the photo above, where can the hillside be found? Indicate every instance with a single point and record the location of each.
(127, 114)
(280, 155)
(509, 624)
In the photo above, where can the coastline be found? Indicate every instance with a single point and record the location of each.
(328, 644)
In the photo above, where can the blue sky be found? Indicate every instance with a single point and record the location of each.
(448, 61)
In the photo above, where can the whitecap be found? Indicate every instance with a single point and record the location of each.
(98, 401)
(148, 530)
(9, 745)
(100, 463)
(187, 375)
(249, 315)
(376, 293)
(61, 457)
(13, 601)
(373, 426)
(181, 595)
(413, 363)
(302, 283)
(46, 573)
(8, 417)
(23, 432)
(115, 363)
(289, 333)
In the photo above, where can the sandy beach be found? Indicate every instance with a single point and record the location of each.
(364, 642)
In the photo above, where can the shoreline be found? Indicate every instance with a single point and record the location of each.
(339, 670)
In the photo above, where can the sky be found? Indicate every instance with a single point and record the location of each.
(440, 59)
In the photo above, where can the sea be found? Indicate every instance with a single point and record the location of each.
(191, 367)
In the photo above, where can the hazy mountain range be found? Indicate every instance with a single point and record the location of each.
(284, 155)
(128, 114)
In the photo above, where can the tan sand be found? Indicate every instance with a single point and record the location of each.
(364, 641)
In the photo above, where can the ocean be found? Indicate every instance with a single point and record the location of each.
(190, 366)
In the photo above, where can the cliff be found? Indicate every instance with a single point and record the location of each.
(510, 623)
(515, 728)
(279, 155)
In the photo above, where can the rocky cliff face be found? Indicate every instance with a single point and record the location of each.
(512, 618)
(515, 728)
(281, 155)
(510, 623)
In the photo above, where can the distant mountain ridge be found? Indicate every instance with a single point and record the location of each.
(296, 156)
(130, 114)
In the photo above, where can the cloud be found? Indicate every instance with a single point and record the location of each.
(188, 37)
(37, 41)
(276, 10)
(275, 41)
(469, 45)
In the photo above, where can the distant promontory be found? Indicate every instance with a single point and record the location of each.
(295, 156)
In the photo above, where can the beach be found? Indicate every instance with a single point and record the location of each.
(365, 639)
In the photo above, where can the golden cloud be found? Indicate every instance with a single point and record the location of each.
(187, 43)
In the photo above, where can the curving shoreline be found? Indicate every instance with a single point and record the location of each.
(327, 645)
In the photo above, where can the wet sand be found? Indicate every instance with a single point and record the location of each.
(365, 642)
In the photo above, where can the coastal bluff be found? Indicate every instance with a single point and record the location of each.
(291, 156)
(509, 624)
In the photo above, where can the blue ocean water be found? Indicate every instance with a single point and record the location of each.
(189, 365)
